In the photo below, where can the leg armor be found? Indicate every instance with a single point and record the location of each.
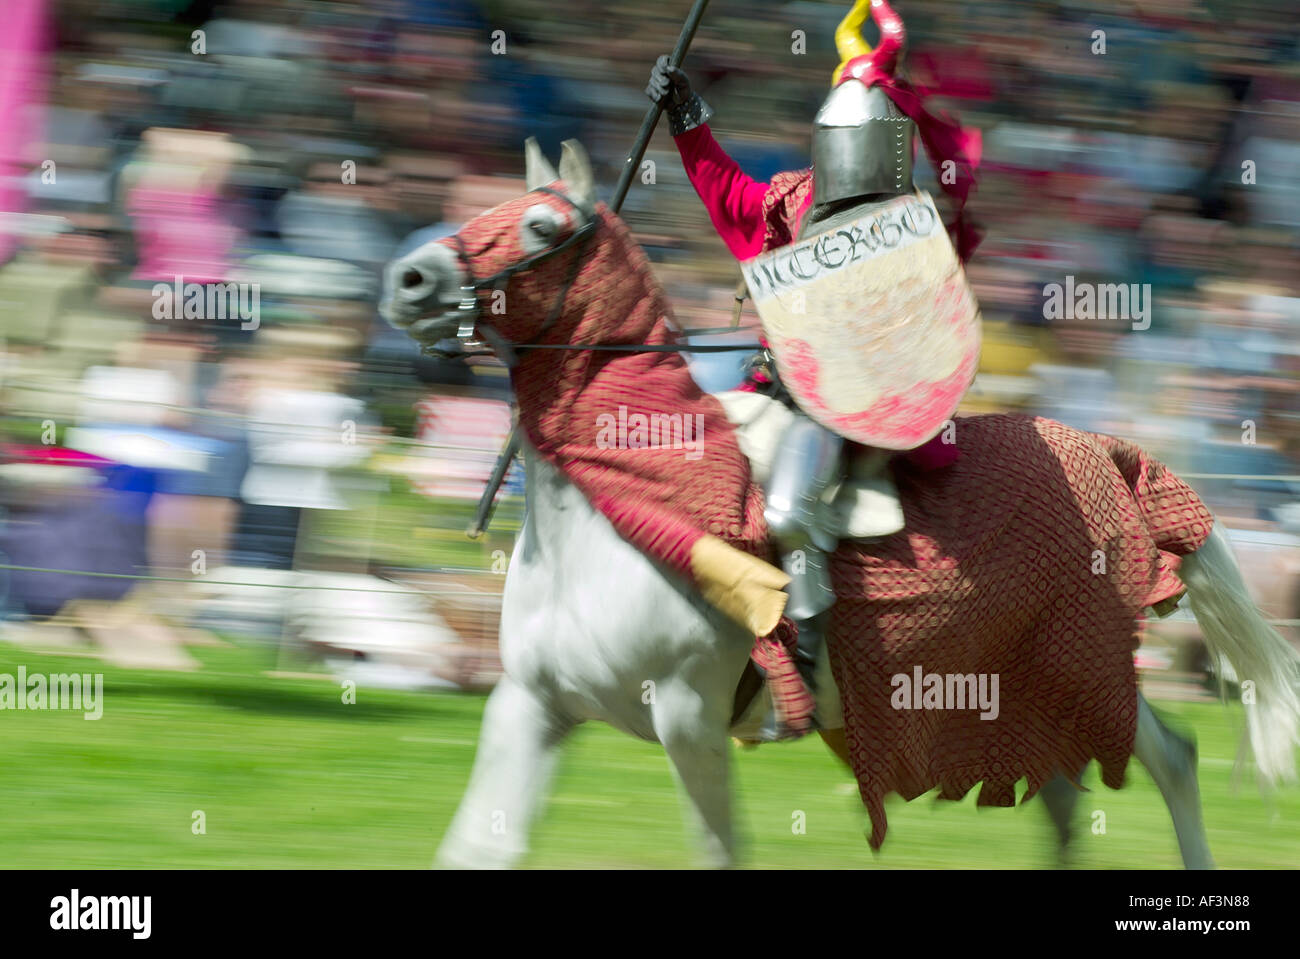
(807, 460)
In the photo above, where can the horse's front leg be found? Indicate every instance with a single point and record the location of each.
(693, 730)
(516, 755)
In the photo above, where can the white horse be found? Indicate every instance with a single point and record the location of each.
(592, 629)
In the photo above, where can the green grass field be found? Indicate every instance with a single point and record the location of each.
(288, 776)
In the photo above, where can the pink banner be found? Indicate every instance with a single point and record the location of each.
(22, 96)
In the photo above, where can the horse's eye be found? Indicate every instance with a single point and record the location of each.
(538, 229)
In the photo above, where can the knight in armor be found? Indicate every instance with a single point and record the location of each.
(863, 146)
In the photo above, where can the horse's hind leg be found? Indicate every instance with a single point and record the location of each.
(693, 732)
(516, 755)
(1171, 760)
(1060, 796)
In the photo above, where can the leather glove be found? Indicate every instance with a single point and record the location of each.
(668, 82)
(670, 86)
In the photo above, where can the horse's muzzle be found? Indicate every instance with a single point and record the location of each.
(422, 293)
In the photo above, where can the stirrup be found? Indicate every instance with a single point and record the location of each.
(768, 732)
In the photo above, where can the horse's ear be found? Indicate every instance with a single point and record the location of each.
(575, 171)
(537, 169)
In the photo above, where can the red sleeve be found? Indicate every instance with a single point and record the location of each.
(733, 199)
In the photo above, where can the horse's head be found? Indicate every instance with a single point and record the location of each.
(527, 249)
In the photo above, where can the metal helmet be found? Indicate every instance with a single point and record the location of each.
(862, 142)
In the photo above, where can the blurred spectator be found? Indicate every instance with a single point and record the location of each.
(290, 145)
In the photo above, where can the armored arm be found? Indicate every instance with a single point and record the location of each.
(734, 199)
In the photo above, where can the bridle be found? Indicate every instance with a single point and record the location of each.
(471, 317)
(473, 332)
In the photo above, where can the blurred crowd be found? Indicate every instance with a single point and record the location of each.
(291, 147)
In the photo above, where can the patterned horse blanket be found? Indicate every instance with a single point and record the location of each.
(1029, 559)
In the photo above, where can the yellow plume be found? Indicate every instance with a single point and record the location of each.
(848, 37)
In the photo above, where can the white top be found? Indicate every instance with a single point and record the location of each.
(296, 439)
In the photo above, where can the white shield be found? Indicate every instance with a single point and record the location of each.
(875, 331)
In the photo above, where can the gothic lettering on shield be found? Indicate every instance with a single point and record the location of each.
(831, 250)
(909, 219)
(873, 326)
(918, 220)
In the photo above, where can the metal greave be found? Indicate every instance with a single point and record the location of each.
(807, 460)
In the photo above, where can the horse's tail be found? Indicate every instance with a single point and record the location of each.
(1235, 631)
